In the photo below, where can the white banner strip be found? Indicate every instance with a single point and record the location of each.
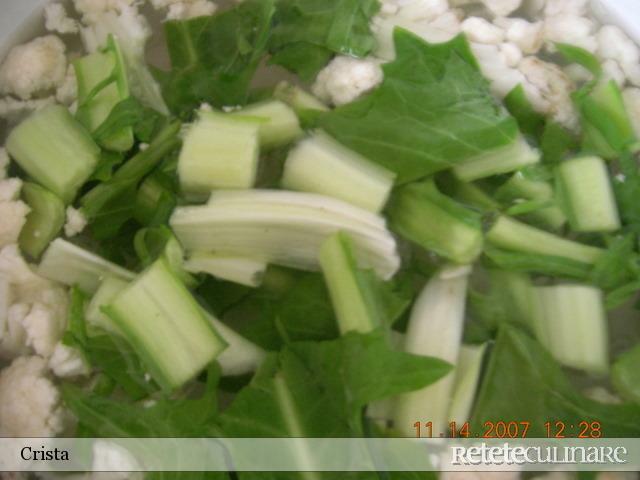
(316, 454)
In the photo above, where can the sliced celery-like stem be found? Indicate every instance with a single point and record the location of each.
(166, 326)
(512, 235)
(284, 228)
(102, 84)
(242, 270)
(512, 157)
(278, 125)
(71, 265)
(420, 213)
(587, 194)
(55, 150)
(570, 321)
(435, 329)
(241, 356)
(625, 374)
(155, 200)
(350, 295)
(467, 378)
(472, 195)
(298, 98)
(520, 187)
(219, 151)
(606, 122)
(44, 221)
(321, 165)
(108, 290)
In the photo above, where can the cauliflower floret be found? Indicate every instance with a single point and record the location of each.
(549, 90)
(346, 78)
(38, 316)
(15, 109)
(57, 20)
(632, 102)
(67, 362)
(511, 53)
(10, 189)
(99, 6)
(495, 67)
(67, 93)
(76, 222)
(124, 22)
(421, 10)
(33, 68)
(13, 338)
(4, 163)
(577, 73)
(502, 8)
(614, 44)
(481, 31)
(14, 216)
(572, 30)
(435, 24)
(30, 404)
(613, 71)
(564, 7)
(186, 10)
(43, 329)
(528, 36)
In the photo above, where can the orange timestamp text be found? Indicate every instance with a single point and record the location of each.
(512, 429)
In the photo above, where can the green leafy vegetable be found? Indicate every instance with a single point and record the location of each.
(319, 389)
(524, 382)
(432, 111)
(108, 354)
(307, 33)
(530, 121)
(214, 58)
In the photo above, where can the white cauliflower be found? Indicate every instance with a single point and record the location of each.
(34, 68)
(30, 404)
(431, 20)
(566, 7)
(67, 93)
(511, 53)
(549, 90)
(577, 73)
(347, 78)
(14, 109)
(614, 44)
(13, 216)
(66, 362)
(57, 20)
(502, 8)
(76, 222)
(612, 71)
(100, 6)
(632, 102)
(184, 9)
(528, 36)
(495, 66)
(4, 163)
(574, 30)
(10, 189)
(482, 31)
(37, 318)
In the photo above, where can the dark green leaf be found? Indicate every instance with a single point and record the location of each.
(557, 142)
(214, 58)
(524, 383)
(307, 33)
(129, 113)
(318, 389)
(432, 111)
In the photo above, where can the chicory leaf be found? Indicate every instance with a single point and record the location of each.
(524, 383)
(432, 111)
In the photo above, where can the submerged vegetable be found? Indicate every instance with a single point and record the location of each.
(159, 317)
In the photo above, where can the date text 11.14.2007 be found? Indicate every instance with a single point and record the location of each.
(512, 429)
